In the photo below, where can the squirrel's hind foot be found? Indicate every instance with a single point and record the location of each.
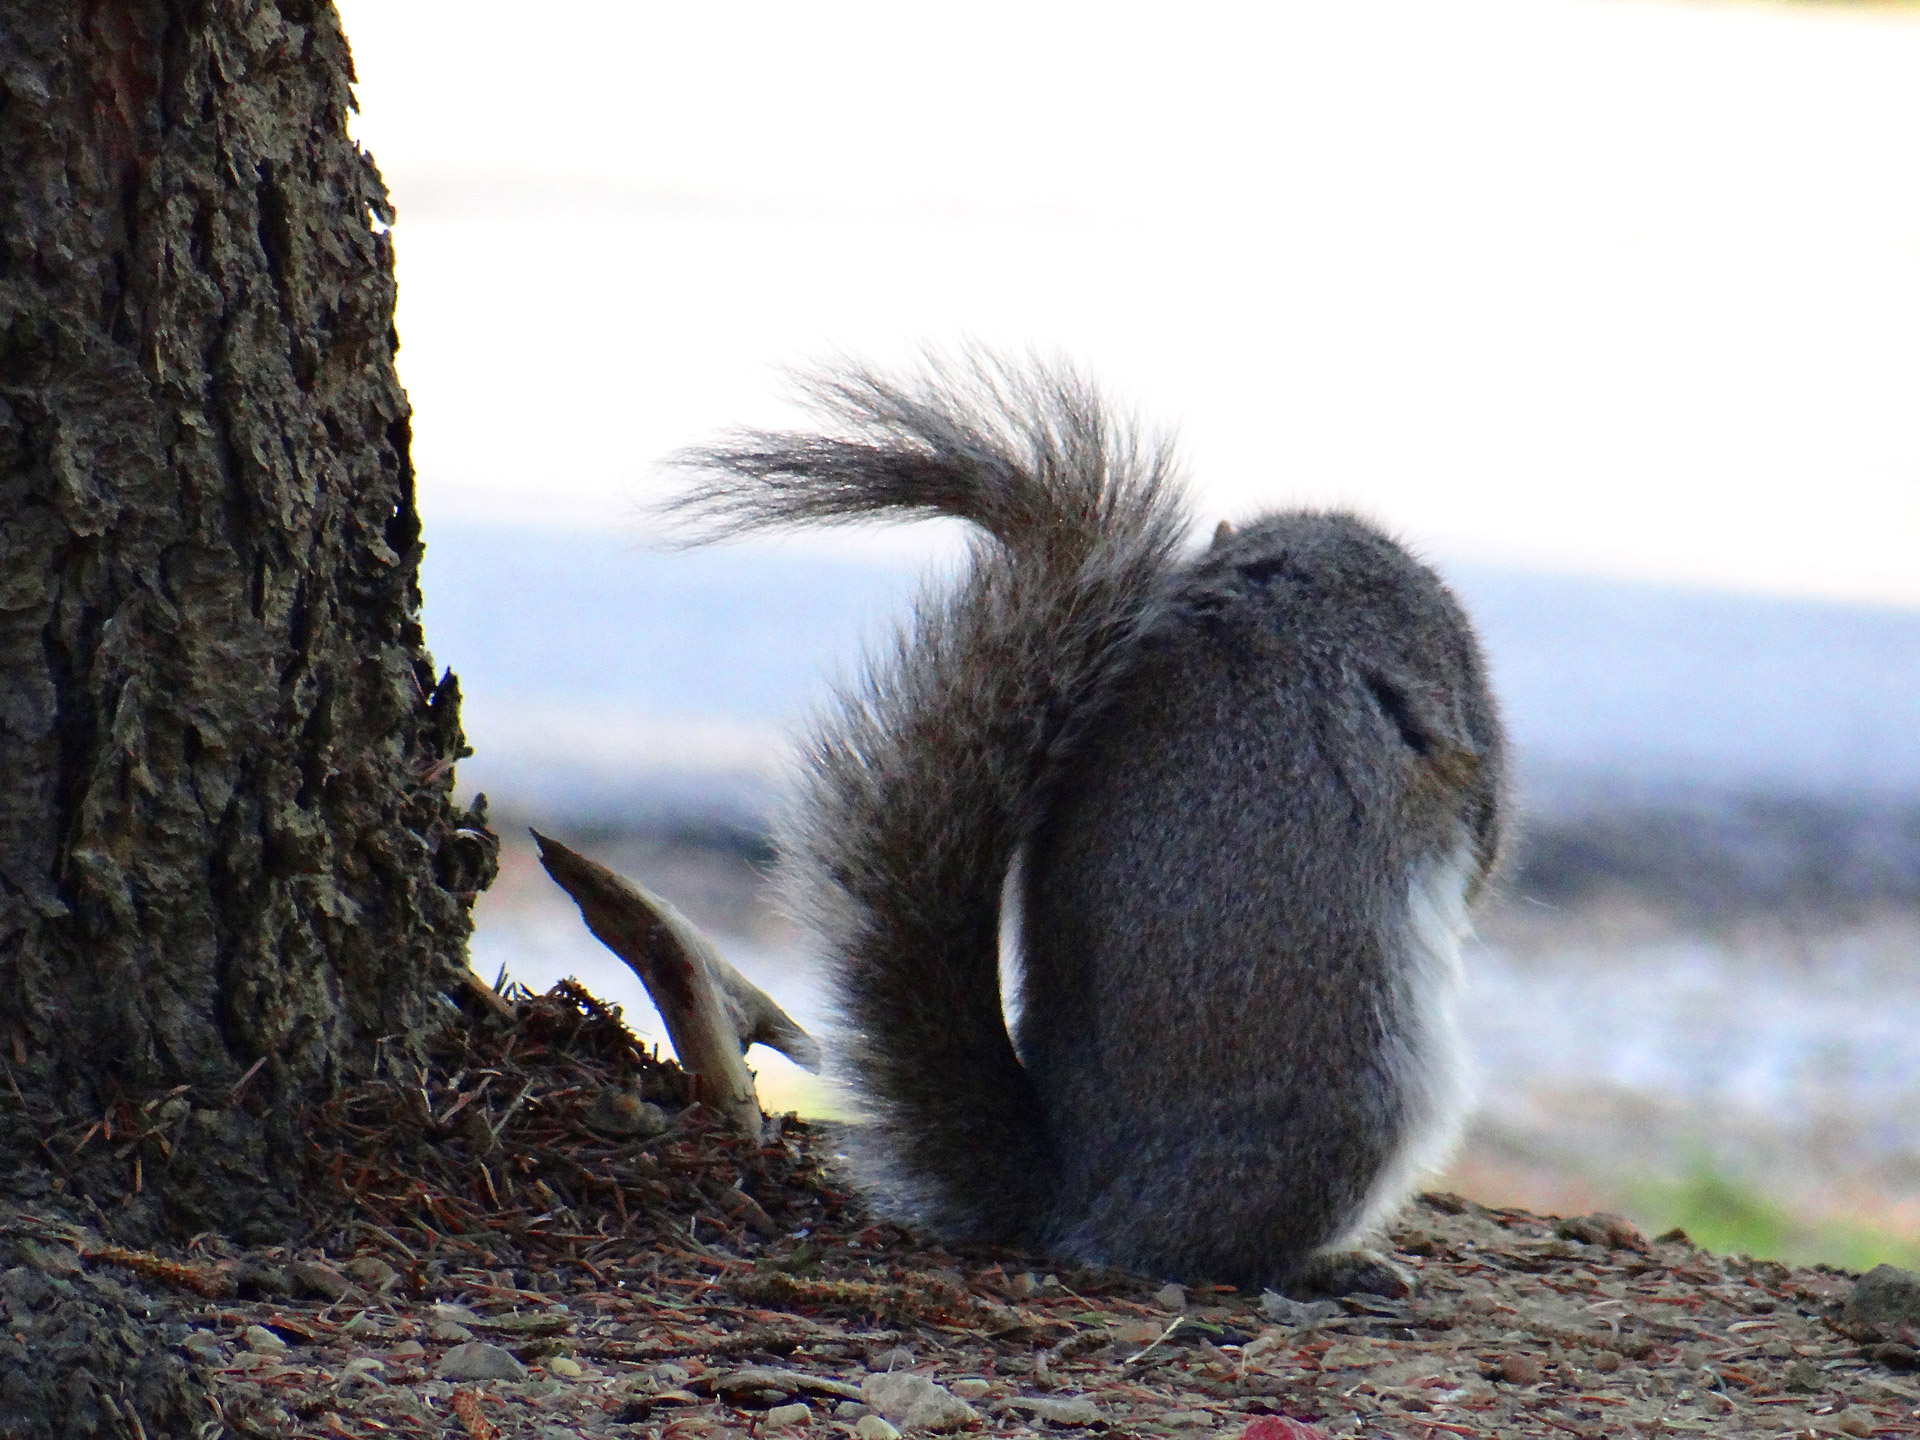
(1350, 1272)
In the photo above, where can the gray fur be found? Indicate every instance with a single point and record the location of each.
(1251, 793)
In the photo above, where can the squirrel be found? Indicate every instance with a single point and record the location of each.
(1236, 806)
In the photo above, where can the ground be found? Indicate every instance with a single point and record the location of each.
(546, 1240)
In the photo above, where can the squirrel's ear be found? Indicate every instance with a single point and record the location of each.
(1222, 533)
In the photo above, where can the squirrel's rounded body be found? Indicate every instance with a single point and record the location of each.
(1240, 915)
(1246, 797)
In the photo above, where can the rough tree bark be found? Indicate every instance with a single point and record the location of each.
(232, 874)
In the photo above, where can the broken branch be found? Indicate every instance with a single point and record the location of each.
(711, 1011)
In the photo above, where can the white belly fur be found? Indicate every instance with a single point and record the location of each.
(1428, 1059)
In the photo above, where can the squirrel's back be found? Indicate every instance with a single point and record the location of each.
(1250, 794)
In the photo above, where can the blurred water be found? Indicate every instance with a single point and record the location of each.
(604, 677)
(1796, 1037)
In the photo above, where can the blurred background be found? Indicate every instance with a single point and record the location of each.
(1610, 308)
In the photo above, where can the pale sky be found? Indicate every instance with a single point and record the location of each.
(1620, 286)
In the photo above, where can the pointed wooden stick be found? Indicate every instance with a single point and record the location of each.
(712, 1012)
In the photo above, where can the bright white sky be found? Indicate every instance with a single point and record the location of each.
(1622, 286)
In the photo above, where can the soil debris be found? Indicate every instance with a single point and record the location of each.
(511, 1267)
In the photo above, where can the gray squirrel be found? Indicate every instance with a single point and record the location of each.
(1244, 797)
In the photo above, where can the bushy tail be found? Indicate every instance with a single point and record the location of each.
(931, 769)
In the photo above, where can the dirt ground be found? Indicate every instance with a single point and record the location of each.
(547, 1241)
(1519, 1328)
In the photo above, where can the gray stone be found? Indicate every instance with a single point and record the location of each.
(319, 1280)
(24, 1290)
(1059, 1410)
(1279, 1308)
(449, 1330)
(1883, 1300)
(1804, 1377)
(203, 1346)
(374, 1273)
(892, 1393)
(258, 1281)
(477, 1360)
(939, 1411)
(620, 1112)
(781, 1416)
(913, 1402)
(263, 1341)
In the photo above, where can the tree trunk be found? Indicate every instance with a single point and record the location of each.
(232, 875)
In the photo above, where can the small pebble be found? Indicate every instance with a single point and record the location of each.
(1026, 1284)
(1522, 1369)
(898, 1358)
(448, 1330)
(361, 1367)
(914, 1402)
(319, 1280)
(850, 1410)
(781, 1416)
(1170, 1297)
(477, 1360)
(203, 1347)
(1278, 1307)
(1804, 1376)
(1057, 1410)
(374, 1273)
(872, 1427)
(1607, 1361)
(971, 1389)
(564, 1367)
(892, 1393)
(1884, 1299)
(263, 1341)
(620, 1112)
(408, 1350)
(1894, 1357)
(1615, 1232)
(458, 1314)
